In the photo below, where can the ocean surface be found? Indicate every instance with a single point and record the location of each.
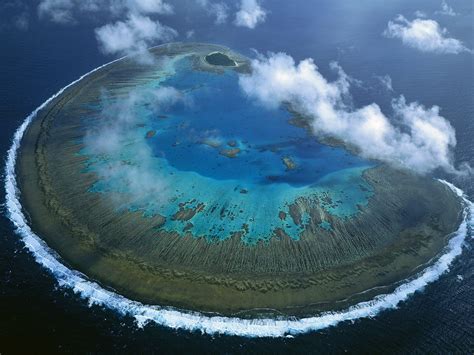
(36, 314)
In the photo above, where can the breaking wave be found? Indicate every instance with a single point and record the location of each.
(194, 321)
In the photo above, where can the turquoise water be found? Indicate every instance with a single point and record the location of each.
(239, 163)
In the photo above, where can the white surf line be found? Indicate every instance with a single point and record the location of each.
(193, 321)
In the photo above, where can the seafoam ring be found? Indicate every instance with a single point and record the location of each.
(193, 321)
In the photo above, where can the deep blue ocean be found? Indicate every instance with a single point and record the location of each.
(34, 64)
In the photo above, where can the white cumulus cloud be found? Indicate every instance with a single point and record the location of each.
(116, 128)
(386, 82)
(150, 6)
(133, 36)
(59, 11)
(66, 11)
(250, 14)
(219, 10)
(416, 137)
(424, 34)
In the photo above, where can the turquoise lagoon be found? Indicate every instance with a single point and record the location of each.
(216, 148)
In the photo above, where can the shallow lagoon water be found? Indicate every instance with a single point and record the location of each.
(219, 148)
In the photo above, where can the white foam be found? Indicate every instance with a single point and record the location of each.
(193, 321)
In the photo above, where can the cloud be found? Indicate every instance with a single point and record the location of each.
(117, 127)
(217, 9)
(250, 14)
(15, 13)
(419, 13)
(446, 10)
(425, 35)
(59, 11)
(386, 82)
(22, 21)
(415, 137)
(133, 36)
(149, 6)
(130, 36)
(118, 119)
(65, 11)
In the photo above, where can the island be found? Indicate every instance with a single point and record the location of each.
(289, 163)
(221, 59)
(174, 223)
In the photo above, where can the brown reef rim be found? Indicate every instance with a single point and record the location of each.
(404, 225)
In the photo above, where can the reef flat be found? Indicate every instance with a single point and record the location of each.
(165, 217)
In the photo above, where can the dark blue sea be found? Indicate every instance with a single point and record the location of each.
(36, 315)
